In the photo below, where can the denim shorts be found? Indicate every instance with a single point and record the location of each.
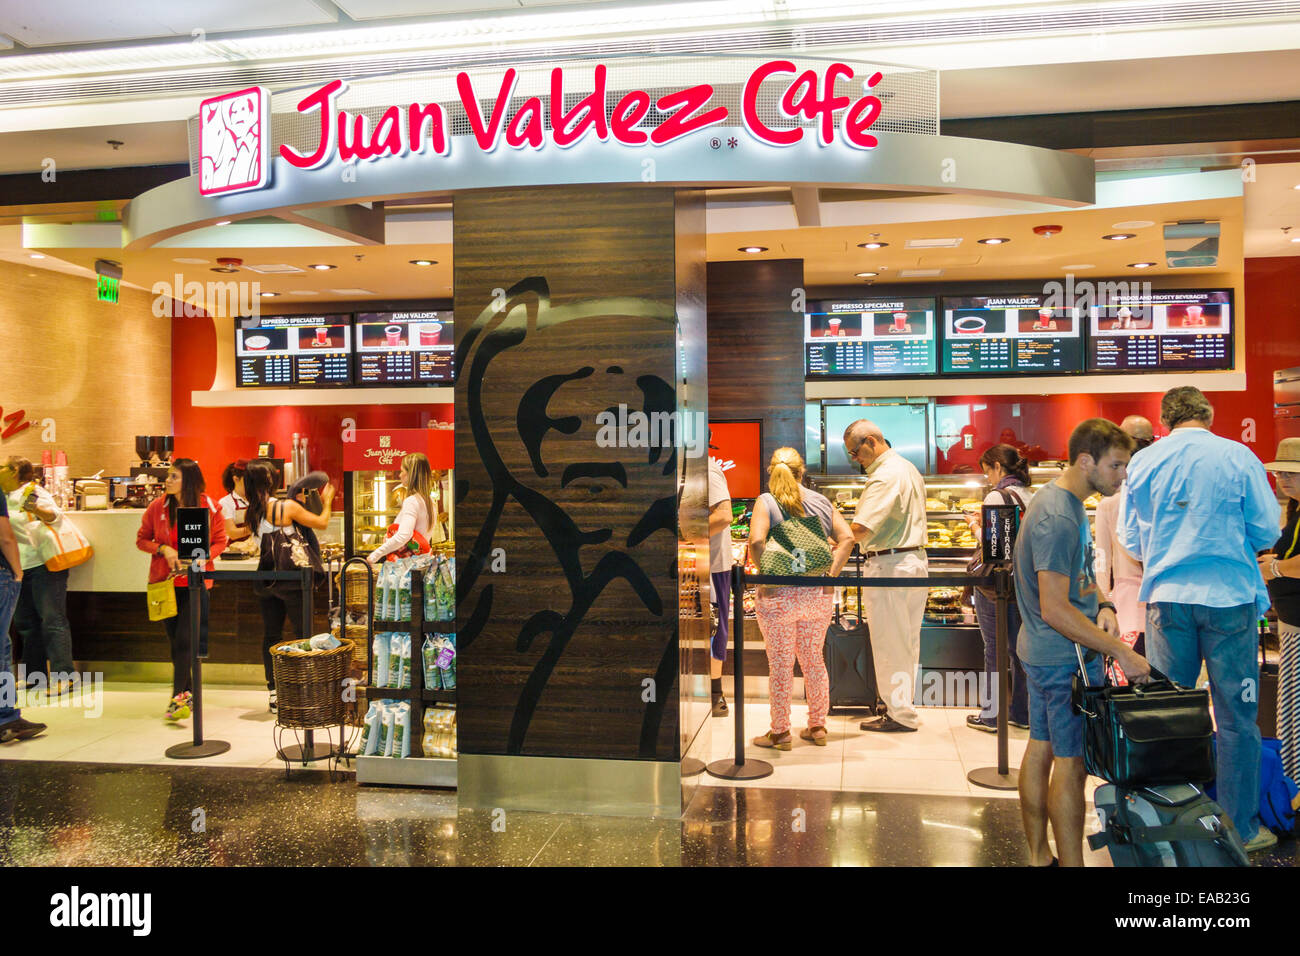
(1051, 713)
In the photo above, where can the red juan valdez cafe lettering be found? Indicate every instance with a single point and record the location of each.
(420, 128)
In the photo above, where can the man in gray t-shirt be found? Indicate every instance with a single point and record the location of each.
(1057, 594)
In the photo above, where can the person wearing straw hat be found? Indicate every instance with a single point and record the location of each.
(1281, 569)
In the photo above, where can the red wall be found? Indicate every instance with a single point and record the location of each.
(216, 436)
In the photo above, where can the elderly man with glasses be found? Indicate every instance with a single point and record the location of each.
(889, 526)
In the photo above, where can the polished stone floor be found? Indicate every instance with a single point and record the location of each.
(61, 813)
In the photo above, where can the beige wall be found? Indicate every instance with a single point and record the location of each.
(102, 372)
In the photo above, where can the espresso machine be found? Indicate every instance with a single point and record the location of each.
(146, 479)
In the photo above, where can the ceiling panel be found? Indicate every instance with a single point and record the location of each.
(387, 9)
(54, 22)
(87, 147)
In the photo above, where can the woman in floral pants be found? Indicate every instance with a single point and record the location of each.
(794, 619)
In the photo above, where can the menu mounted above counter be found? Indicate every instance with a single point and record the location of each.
(1169, 330)
(870, 338)
(301, 350)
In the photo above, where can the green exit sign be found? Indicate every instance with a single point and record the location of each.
(106, 289)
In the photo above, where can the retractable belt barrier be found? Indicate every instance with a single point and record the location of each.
(1000, 777)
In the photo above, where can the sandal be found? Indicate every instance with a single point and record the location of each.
(817, 735)
(774, 740)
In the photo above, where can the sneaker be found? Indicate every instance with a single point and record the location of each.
(179, 708)
(1264, 839)
(274, 702)
(1017, 724)
(976, 722)
(19, 729)
(720, 706)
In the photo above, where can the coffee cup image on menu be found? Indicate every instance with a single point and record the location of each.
(317, 337)
(1125, 318)
(426, 334)
(898, 323)
(260, 341)
(840, 325)
(1044, 320)
(1208, 316)
(979, 322)
(384, 335)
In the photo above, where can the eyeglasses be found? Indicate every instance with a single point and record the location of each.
(853, 453)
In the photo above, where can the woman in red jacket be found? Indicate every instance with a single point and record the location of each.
(183, 488)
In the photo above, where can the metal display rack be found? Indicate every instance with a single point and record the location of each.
(417, 770)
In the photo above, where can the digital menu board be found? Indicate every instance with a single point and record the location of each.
(871, 337)
(288, 350)
(397, 348)
(1167, 330)
(1003, 334)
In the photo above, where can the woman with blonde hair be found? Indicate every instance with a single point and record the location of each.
(794, 619)
(418, 519)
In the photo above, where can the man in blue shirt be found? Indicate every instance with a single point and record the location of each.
(1060, 614)
(1196, 510)
(12, 725)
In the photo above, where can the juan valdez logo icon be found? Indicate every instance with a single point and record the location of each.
(234, 142)
(421, 128)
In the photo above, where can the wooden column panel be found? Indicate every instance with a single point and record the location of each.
(566, 544)
(755, 347)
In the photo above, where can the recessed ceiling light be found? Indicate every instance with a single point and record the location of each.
(866, 275)
(1296, 239)
(321, 267)
(872, 245)
(993, 242)
(424, 262)
(1119, 236)
(753, 249)
(223, 222)
(35, 255)
(269, 295)
(1131, 225)
(1296, 186)
(1140, 265)
(191, 262)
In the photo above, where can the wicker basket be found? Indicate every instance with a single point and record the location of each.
(358, 587)
(356, 633)
(309, 686)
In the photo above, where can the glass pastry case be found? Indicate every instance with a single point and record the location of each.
(375, 497)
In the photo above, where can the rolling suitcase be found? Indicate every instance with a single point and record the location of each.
(1175, 825)
(849, 663)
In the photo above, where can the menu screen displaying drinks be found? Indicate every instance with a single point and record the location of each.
(309, 350)
(870, 338)
(992, 335)
(403, 348)
(1162, 330)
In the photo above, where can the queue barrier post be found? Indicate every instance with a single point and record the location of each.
(198, 747)
(1001, 777)
(739, 768)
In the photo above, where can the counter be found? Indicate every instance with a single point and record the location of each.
(109, 616)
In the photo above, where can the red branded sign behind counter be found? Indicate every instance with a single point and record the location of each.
(383, 449)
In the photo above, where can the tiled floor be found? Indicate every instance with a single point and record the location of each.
(128, 727)
(934, 760)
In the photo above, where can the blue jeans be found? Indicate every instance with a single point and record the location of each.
(1179, 637)
(41, 620)
(9, 591)
(986, 610)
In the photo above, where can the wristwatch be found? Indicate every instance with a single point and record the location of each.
(1105, 605)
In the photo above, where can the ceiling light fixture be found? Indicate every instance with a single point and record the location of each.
(866, 275)
(872, 245)
(1140, 265)
(1119, 236)
(269, 295)
(35, 255)
(752, 249)
(996, 241)
(424, 262)
(222, 222)
(321, 267)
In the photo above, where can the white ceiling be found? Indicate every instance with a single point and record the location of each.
(57, 22)
(1272, 203)
(87, 147)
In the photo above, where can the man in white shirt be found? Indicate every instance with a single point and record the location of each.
(720, 562)
(889, 527)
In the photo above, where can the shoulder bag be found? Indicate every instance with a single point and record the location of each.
(795, 546)
(289, 551)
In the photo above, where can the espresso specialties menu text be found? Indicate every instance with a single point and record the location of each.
(880, 337)
(401, 348)
(284, 350)
(1006, 334)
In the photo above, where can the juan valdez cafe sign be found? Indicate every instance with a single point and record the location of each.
(234, 129)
